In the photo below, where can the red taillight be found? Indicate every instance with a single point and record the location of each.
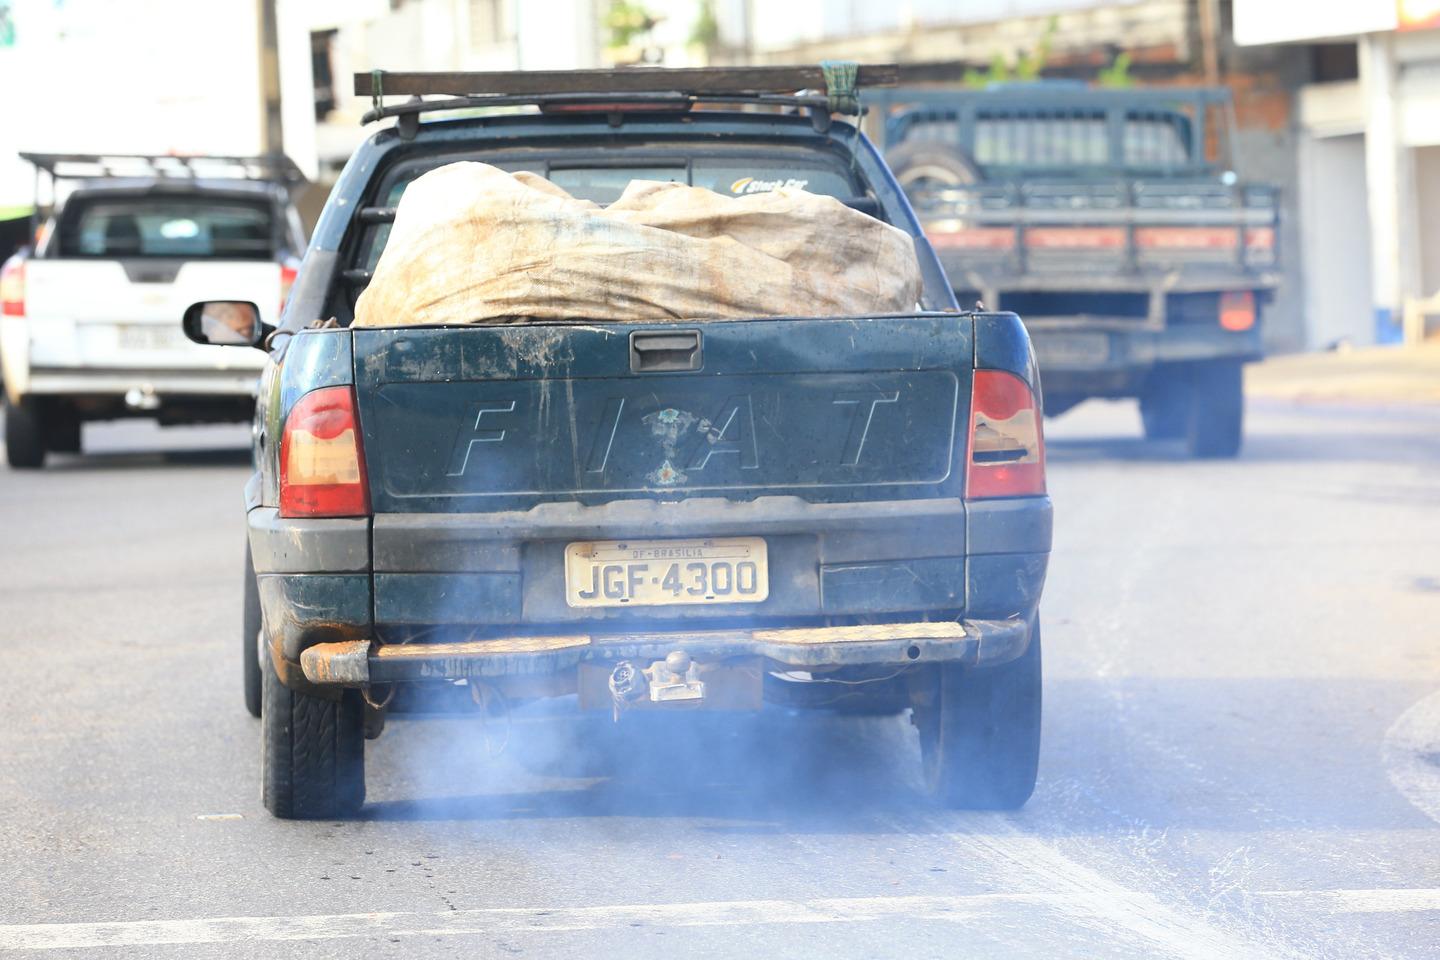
(12, 287)
(322, 467)
(1237, 310)
(287, 280)
(1007, 444)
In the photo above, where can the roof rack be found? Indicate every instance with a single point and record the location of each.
(821, 90)
(276, 168)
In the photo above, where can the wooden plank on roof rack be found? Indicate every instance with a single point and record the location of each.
(697, 80)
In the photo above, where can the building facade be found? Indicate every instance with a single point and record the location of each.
(1369, 182)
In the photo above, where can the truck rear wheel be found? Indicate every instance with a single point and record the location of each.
(250, 638)
(24, 434)
(312, 752)
(1165, 405)
(1217, 410)
(980, 738)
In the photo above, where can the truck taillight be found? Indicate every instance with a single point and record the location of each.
(12, 287)
(1237, 310)
(1007, 444)
(288, 273)
(322, 469)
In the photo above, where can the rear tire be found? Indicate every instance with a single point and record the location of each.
(980, 738)
(312, 752)
(250, 638)
(1217, 410)
(1165, 404)
(62, 428)
(24, 434)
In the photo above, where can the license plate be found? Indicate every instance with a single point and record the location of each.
(645, 573)
(148, 337)
(1072, 348)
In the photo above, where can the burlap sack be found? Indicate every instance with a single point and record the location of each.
(474, 244)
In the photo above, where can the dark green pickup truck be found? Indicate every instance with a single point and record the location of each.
(1111, 221)
(669, 516)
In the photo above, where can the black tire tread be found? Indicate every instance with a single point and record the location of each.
(1165, 404)
(249, 634)
(1216, 425)
(313, 759)
(25, 444)
(982, 739)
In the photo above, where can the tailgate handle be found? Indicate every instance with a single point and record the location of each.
(656, 352)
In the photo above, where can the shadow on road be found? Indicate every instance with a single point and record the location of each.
(148, 459)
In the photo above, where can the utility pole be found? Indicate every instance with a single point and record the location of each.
(272, 134)
(1210, 40)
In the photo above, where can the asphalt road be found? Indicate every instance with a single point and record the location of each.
(1242, 726)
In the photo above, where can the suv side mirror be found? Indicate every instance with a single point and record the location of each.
(231, 323)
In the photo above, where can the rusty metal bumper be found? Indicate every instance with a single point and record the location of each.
(362, 662)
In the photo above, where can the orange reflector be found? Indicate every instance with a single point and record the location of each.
(1237, 310)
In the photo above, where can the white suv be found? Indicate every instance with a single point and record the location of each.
(87, 320)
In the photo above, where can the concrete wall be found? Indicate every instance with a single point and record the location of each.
(1427, 191)
(1337, 240)
(1152, 30)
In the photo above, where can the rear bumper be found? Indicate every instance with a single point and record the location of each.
(53, 357)
(949, 573)
(1099, 358)
(96, 381)
(363, 662)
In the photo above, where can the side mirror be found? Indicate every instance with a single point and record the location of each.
(230, 323)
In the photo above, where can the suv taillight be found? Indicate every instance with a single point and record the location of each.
(12, 287)
(322, 467)
(1007, 444)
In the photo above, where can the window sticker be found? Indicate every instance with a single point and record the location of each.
(747, 185)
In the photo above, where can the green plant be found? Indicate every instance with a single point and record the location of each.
(706, 32)
(1026, 67)
(1117, 74)
(626, 21)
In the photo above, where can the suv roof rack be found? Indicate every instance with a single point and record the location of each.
(276, 168)
(822, 89)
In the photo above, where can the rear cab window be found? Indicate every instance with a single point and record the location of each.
(1062, 141)
(592, 175)
(175, 227)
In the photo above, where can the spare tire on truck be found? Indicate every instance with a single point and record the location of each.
(930, 165)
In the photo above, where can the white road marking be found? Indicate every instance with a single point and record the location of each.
(1162, 926)
(1393, 900)
(1409, 743)
(1091, 899)
(53, 936)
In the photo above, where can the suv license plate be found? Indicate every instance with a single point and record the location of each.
(647, 573)
(136, 336)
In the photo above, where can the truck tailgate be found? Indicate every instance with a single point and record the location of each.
(481, 419)
(505, 463)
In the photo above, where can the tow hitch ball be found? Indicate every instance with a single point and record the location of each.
(674, 679)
